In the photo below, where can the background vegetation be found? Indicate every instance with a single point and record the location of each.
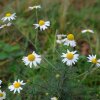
(53, 78)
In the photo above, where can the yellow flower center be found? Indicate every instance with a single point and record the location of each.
(69, 56)
(17, 85)
(8, 14)
(88, 30)
(70, 37)
(41, 22)
(31, 57)
(94, 60)
(1, 94)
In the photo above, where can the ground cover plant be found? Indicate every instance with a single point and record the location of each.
(49, 50)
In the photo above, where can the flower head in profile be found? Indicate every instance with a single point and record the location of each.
(60, 37)
(70, 57)
(9, 17)
(2, 26)
(35, 7)
(8, 24)
(16, 86)
(70, 41)
(32, 59)
(54, 98)
(2, 95)
(57, 75)
(5, 25)
(87, 31)
(42, 25)
(93, 59)
(0, 82)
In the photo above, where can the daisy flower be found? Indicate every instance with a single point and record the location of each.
(70, 57)
(8, 17)
(16, 87)
(35, 7)
(94, 60)
(2, 95)
(32, 59)
(59, 38)
(87, 30)
(42, 25)
(54, 98)
(69, 41)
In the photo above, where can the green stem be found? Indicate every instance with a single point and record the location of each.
(49, 63)
(36, 37)
(90, 43)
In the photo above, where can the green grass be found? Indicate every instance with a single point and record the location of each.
(66, 16)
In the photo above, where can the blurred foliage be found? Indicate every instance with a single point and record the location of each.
(19, 40)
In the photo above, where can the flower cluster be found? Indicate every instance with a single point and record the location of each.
(31, 60)
(7, 20)
(71, 58)
(68, 40)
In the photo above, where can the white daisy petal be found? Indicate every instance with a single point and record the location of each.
(47, 23)
(0, 82)
(36, 25)
(87, 30)
(30, 64)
